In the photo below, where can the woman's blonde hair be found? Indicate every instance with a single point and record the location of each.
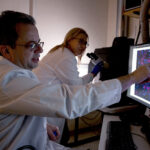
(73, 33)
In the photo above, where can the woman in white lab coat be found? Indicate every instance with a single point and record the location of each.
(62, 58)
(61, 63)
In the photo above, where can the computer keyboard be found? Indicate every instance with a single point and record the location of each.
(146, 128)
(119, 136)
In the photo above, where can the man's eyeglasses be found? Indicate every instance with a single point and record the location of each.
(32, 45)
(82, 42)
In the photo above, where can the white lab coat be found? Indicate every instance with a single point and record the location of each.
(64, 67)
(25, 102)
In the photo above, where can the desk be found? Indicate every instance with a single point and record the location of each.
(140, 142)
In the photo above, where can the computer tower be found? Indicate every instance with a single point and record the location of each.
(117, 57)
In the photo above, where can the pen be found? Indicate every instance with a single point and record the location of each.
(55, 133)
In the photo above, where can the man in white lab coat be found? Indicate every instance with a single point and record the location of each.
(25, 102)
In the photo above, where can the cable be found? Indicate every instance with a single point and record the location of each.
(138, 35)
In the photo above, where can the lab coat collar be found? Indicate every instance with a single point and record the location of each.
(6, 61)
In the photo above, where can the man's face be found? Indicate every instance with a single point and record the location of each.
(27, 51)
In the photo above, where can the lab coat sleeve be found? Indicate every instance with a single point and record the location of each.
(67, 71)
(23, 94)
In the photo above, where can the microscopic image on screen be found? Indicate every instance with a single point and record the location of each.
(143, 89)
(139, 55)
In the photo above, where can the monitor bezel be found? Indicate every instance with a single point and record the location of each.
(132, 61)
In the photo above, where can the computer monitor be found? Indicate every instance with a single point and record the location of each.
(139, 55)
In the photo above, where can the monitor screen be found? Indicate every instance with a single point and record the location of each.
(139, 55)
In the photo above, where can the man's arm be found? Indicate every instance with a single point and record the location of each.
(139, 75)
(22, 93)
(29, 97)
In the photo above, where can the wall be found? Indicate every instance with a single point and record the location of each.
(132, 21)
(56, 17)
(111, 22)
(17, 5)
(133, 28)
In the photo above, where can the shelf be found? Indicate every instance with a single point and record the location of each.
(134, 13)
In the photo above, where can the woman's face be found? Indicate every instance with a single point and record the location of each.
(78, 44)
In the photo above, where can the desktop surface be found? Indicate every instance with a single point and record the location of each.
(139, 138)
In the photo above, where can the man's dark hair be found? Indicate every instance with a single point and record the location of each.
(8, 21)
